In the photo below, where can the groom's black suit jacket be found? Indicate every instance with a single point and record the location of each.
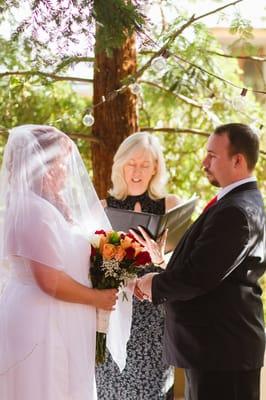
(214, 316)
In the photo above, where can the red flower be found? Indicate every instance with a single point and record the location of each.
(131, 237)
(143, 258)
(100, 232)
(130, 253)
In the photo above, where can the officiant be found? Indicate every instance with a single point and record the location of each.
(139, 183)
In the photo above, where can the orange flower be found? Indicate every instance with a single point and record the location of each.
(109, 251)
(138, 248)
(120, 253)
(103, 241)
(127, 242)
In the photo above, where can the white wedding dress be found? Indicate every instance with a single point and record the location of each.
(48, 211)
(47, 346)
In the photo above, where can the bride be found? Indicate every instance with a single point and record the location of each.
(48, 208)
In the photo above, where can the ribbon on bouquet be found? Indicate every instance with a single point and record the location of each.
(120, 325)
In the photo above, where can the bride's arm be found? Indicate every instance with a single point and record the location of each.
(61, 286)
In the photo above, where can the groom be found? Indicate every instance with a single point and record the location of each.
(214, 318)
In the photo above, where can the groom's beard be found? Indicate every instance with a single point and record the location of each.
(211, 178)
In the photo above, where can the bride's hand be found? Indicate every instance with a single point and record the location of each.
(155, 248)
(105, 298)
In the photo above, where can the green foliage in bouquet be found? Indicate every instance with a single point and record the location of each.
(116, 259)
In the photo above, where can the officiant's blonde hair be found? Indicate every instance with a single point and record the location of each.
(134, 142)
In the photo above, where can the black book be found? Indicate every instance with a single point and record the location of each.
(176, 220)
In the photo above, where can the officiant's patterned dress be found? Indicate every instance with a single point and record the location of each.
(146, 375)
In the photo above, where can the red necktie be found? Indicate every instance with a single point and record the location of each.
(210, 203)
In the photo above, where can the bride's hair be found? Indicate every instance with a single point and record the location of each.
(139, 141)
(48, 137)
(56, 144)
(43, 145)
(48, 140)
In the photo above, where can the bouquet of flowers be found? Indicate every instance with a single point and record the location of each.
(116, 258)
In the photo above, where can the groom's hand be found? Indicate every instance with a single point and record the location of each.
(138, 293)
(144, 285)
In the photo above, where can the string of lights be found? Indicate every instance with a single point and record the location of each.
(158, 62)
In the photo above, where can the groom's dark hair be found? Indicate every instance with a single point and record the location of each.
(242, 140)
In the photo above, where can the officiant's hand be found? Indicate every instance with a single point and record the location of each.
(155, 248)
(144, 285)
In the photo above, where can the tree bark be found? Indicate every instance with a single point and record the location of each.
(116, 118)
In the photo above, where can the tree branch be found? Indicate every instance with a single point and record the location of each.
(185, 99)
(73, 60)
(164, 48)
(184, 130)
(215, 75)
(251, 58)
(90, 138)
(218, 9)
(177, 130)
(53, 76)
(262, 58)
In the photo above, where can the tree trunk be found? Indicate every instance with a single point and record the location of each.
(116, 118)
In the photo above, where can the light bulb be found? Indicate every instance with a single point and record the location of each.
(88, 120)
(158, 64)
(239, 103)
(135, 88)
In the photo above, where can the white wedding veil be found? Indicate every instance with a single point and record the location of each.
(48, 210)
(42, 165)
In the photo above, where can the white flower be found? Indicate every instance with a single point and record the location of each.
(111, 268)
(94, 240)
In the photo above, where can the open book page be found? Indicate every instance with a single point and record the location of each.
(176, 220)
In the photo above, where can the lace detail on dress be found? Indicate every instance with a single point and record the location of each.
(147, 204)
